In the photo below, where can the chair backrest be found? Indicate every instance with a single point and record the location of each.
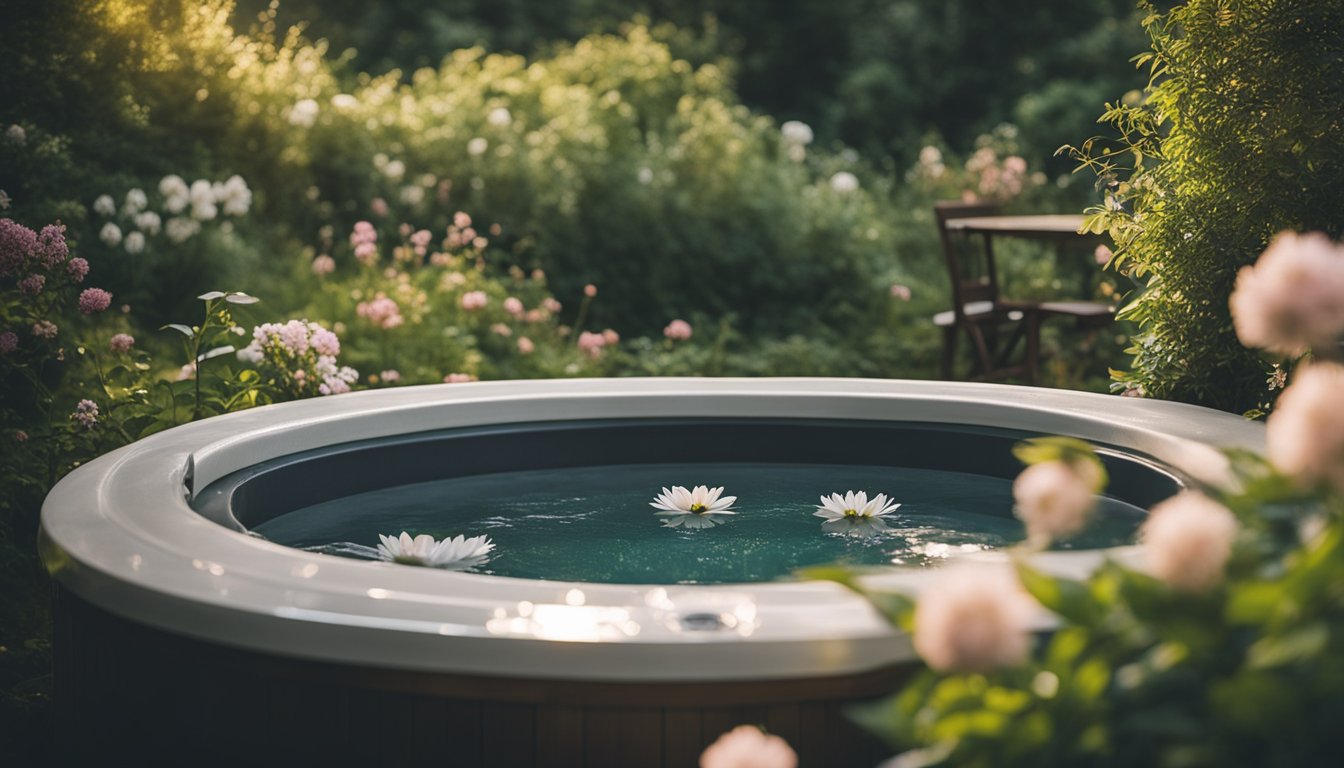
(970, 260)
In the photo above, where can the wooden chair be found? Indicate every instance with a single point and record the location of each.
(994, 325)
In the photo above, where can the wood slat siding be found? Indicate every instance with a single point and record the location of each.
(124, 689)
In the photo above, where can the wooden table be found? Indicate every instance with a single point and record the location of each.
(1061, 226)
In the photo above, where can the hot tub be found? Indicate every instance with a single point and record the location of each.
(178, 628)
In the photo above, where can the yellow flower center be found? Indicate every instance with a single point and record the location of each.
(698, 508)
(851, 513)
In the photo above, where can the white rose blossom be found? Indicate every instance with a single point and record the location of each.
(1304, 436)
(1293, 298)
(1054, 499)
(973, 618)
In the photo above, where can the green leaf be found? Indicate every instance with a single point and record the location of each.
(182, 329)
(1070, 599)
(1301, 644)
(216, 352)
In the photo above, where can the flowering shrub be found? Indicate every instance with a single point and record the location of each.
(1220, 646)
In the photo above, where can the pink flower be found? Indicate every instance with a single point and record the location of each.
(78, 269)
(378, 206)
(535, 316)
(366, 254)
(746, 746)
(1304, 437)
(591, 344)
(85, 414)
(513, 306)
(973, 619)
(51, 248)
(1293, 298)
(1187, 541)
(20, 436)
(678, 330)
(611, 337)
(383, 312)
(461, 220)
(324, 265)
(420, 242)
(474, 300)
(324, 342)
(500, 329)
(16, 243)
(121, 343)
(187, 372)
(390, 376)
(899, 291)
(590, 290)
(32, 284)
(458, 378)
(9, 341)
(550, 304)
(525, 345)
(1103, 255)
(94, 300)
(1055, 499)
(45, 329)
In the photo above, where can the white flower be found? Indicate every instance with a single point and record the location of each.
(1187, 541)
(16, 135)
(412, 195)
(148, 222)
(202, 196)
(235, 196)
(344, 101)
(746, 746)
(844, 182)
(973, 619)
(499, 117)
(854, 513)
(394, 169)
(477, 146)
(698, 508)
(455, 553)
(1293, 298)
(110, 234)
(171, 185)
(105, 205)
(796, 133)
(1304, 437)
(180, 229)
(1055, 498)
(303, 113)
(135, 242)
(136, 200)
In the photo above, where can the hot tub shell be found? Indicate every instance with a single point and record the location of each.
(174, 631)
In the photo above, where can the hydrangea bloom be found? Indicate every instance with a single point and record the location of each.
(148, 222)
(93, 300)
(78, 269)
(474, 300)
(301, 356)
(9, 341)
(324, 265)
(181, 229)
(136, 200)
(51, 248)
(17, 243)
(591, 344)
(678, 330)
(121, 343)
(110, 234)
(104, 205)
(85, 414)
(513, 306)
(135, 242)
(32, 284)
(45, 329)
(382, 311)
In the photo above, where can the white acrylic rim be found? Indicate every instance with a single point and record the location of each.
(119, 533)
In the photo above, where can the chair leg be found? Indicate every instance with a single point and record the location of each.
(1033, 326)
(982, 350)
(949, 350)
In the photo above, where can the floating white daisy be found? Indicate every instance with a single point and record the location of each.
(697, 508)
(455, 553)
(854, 513)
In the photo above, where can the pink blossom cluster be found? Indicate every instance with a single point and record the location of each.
(474, 300)
(40, 261)
(592, 344)
(973, 619)
(302, 355)
(85, 414)
(461, 234)
(121, 343)
(459, 378)
(382, 312)
(525, 346)
(364, 238)
(45, 329)
(93, 300)
(420, 242)
(997, 180)
(323, 265)
(746, 746)
(513, 306)
(678, 330)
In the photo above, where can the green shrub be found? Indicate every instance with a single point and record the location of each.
(1240, 138)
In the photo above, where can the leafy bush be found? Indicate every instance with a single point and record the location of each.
(1238, 139)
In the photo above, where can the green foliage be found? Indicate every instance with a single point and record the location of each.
(1239, 138)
